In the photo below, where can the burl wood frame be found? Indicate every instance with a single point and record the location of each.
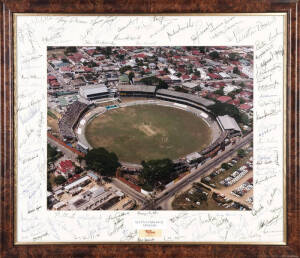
(7, 247)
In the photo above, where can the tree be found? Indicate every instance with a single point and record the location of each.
(244, 119)
(202, 49)
(69, 50)
(121, 57)
(155, 81)
(241, 153)
(49, 186)
(225, 166)
(107, 51)
(166, 70)
(59, 180)
(210, 70)
(197, 73)
(234, 56)
(107, 179)
(242, 101)
(102, 161)
(214, 55)
(236, 70)
(162, 84)
(157, 172)
(221, 109)
(130, 76)
(220, 91)
(231, 94)
(125, 68)
(65, 60)
(178, 88)
(78, 170)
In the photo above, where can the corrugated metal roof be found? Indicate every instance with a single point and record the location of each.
(94, 90)
(229, 123)
(195, 98)
(144, 88)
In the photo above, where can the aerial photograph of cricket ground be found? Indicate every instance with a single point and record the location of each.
(150, 128)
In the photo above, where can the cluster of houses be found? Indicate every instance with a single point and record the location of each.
(219, 73)
(83, 191)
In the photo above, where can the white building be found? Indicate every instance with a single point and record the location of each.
(193, 156)
(80, 182)
(94, 92)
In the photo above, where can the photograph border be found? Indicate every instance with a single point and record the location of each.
(8, 154)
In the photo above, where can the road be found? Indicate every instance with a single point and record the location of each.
(169, 193)
(70, 154)
(58, 75)
(129, 191)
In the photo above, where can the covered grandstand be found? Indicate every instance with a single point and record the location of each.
(229, 124)
(137, 91)
(184, 98)
(95, 92)
(70, 118)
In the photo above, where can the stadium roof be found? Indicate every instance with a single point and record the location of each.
(195, 98)
(229, 123)
(95, 89)
(144, 88)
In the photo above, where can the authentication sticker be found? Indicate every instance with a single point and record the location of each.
(150, 233)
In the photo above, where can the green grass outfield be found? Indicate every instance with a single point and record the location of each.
(145, 132)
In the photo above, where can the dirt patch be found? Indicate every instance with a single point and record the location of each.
(53, 123)
(147, 129)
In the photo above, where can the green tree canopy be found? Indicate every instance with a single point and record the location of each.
(102, 161)
(157, 172)
(130, 76)
(71, 50)
(236, 70)
(214, 55)
(234, 56)
(220, 91)
(197, 73)
(166, 70)
(59, 180)
(125, 68)
(155, 81)
(221, 109)
(225, 166)
(241, 153)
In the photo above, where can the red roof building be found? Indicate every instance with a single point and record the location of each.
(224, 99)
(245, 107)
(51, 77)
(65, 69)
(73, 178)
(54, 84)
(185, 77)
(245, 94)
(214, 76)
(66, 166)
(234, 102)
(90, 51)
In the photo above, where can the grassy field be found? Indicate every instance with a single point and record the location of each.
(147, 132)
(181, 203)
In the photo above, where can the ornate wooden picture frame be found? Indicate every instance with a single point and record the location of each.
(11, 247)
